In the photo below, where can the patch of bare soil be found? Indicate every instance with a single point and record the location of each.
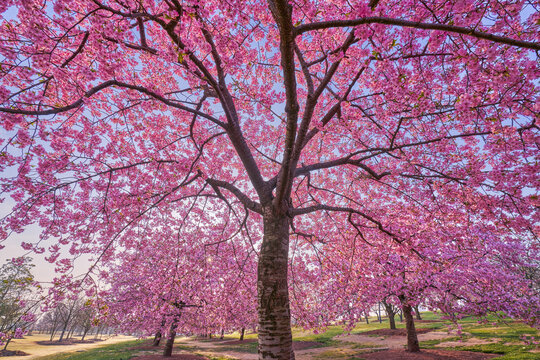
(173, 357)
(13, 353)
(430, 354)
(435, 335)
(238, 342)
(394, 332)
(301, 345)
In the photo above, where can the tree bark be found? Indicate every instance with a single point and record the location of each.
(417, 312)
(412, 338)
(222, 335)
(391, 315)
(275, 337)
(157, 338)
(242, 334)
(167, 352)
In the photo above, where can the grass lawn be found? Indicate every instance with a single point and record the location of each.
(505, 337)
(120, 351)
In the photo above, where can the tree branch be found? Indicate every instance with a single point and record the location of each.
(417, 25)
(106, 84)
(244, 199)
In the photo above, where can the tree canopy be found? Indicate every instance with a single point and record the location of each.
(406, 126)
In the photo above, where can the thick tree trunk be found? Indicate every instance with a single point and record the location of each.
(242, 334)
(412, 339)
(157, 339)
(391, 315)
(167, 352)
(275, 338)
(417, 312)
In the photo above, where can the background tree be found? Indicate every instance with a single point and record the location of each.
(117, 112)
(18, 292)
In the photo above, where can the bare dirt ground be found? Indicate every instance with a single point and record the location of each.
(429, 354)
(384, 347)
(30, 346)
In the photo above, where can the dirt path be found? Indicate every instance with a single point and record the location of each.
(393, 343)
(215, 348)
(29, 345)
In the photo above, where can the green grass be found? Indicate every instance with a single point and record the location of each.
(503, 332)
(326, 338)
(510, 352)
(430, 344)
(510, 331)
(120, 351)
(250, 347)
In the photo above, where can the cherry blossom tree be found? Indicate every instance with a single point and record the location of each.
(477, 275)
(390, 119)
(184, 281)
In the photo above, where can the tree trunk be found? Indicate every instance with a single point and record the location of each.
(412, 339)
(167, 352)
(242, 334)
(222, 334)
(367, 318)
(379, 317)
(417, 312)
(84, 334)
(157, 339)
(391, 315)
(63, 332)
(275, 337)
(400, 315)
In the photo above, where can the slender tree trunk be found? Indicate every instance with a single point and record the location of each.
(400, 315)
(167, 352)
(222, 334)
(63, 332)
(157, 339)
(391, 315)
(412, 339)
(7, 343)
(242, 334)
(417, 312)
(367, 318)
(85, 331)
(275, 337)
